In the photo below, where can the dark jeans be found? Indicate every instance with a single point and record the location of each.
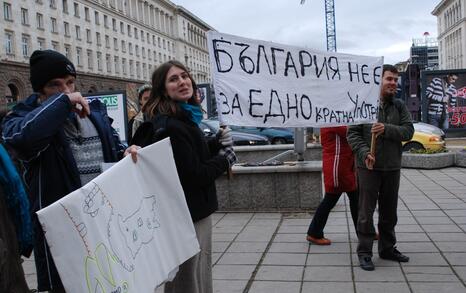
(381, 186)
(316, 228)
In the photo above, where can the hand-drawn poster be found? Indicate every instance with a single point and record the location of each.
(126, 230)
(266, 84)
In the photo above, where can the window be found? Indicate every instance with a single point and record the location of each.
(122, 27)
(68, 51)
(67, 29)
(55, 46)
(137, 50)
(78, 32)
(97, 39)
(114, 24)
(79, 56)
(40, 21)
(149, 54)
(129, 30)
(123, 65)
(24, 16)
(107, 41)
(109, 65)
(90, 59)
(87, 14)
(7, 11)
(88, 36)
(9, 43)
(136, 33)
(142, 36)
(96, 17)
(143, 53)
(53, 24)
(76, 9)
(115, 44)
(99, 61)
(40, 44)
(131, 68)
(138, 69)
(117, 64)
(123, 46)
(53, 4)
(130, 48)
(106, 21)
(65, 6)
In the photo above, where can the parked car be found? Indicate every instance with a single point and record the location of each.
(274, 135)
(210, 128)
(426, 137)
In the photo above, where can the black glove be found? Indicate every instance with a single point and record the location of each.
(229, 155)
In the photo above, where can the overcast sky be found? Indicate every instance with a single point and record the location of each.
(364, 27)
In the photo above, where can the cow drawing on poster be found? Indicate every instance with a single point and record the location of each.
(126, 235)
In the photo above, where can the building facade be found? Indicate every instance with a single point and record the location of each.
(451, 26)
(112, 43)
(424, 53)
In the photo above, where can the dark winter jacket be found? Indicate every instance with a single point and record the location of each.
(35, 131)
(398, 127)
(197, 162)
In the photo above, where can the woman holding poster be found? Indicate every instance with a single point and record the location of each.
(174, 112)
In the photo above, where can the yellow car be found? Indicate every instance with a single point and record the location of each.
(426, 137)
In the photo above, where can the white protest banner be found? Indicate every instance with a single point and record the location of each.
(126, 230)
(272, 85)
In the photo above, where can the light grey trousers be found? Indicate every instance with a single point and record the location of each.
(195, 274)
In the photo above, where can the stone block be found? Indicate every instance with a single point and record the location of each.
(428, 161)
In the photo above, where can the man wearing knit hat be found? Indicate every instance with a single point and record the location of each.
(62, 141)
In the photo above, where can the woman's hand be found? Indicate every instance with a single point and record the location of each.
(133, 151)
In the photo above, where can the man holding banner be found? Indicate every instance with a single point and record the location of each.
(379, 171)
(62, 141)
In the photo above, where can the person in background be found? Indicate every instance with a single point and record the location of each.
(379, 173)
(138, 119)
(339, 176)
(173, 111)
(441, 94)
(62, 140)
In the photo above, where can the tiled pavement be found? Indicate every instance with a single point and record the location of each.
(266, 252)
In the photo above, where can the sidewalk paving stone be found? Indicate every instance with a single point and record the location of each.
(330, 287)
(380, 274)
(430, 274)
(280, 273)
(285, 259)
(431, 287)
(382, 287)
(275, 287)
(339, 274)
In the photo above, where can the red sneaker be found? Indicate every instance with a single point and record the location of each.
(318, 241)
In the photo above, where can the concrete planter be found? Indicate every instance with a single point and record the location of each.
(428, 161)
(295, 186)
(460, 159)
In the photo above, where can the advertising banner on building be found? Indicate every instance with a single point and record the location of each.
(267, 84)
(444, 99)
(127, 230)
(116, 108)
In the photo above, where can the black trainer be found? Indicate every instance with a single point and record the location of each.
(394, 255)
(365, 262)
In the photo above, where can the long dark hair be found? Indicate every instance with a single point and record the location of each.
(159, 102)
